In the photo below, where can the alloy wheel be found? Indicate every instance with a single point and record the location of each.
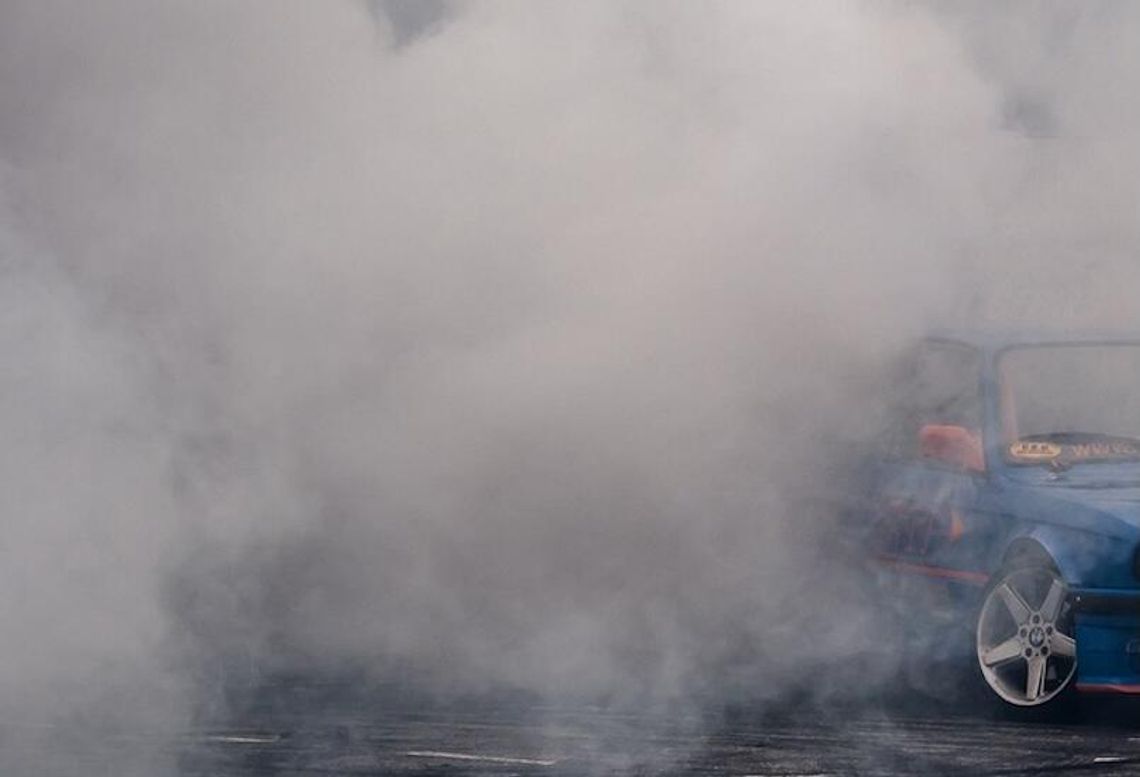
(1025, 643)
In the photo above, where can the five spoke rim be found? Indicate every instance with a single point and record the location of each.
(1024, 647)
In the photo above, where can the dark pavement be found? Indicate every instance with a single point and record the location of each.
(367, 737)
(306, 730)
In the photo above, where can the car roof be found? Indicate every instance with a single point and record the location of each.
(998, 339)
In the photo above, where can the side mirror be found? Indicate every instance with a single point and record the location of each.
(957, 446)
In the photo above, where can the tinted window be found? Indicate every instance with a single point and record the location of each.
(939, 384)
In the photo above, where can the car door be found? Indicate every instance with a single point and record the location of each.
(927, 529)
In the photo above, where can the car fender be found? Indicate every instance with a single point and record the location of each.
(1083, 558)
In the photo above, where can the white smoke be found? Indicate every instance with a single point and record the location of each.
(501, 343)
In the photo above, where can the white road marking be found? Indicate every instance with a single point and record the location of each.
(245, 740)
(495, 759)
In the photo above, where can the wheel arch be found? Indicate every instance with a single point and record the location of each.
(1044, 546)
(1025, 550)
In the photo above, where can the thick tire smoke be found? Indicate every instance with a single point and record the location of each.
(502, 345)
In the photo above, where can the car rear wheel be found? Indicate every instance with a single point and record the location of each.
(1025, 638)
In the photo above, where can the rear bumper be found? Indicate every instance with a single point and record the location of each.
(1108, 640)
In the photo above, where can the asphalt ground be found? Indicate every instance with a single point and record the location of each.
(546, 741)
(306, 730)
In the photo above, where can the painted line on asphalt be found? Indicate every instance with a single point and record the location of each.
(494, 759)
(245, 740)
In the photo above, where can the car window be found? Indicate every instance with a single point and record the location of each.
(939, 384)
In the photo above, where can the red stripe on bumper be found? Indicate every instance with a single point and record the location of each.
(1108, 688)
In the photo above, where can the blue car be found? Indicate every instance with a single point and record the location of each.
(1008, 502)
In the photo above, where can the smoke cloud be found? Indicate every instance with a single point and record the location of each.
(501, 344)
